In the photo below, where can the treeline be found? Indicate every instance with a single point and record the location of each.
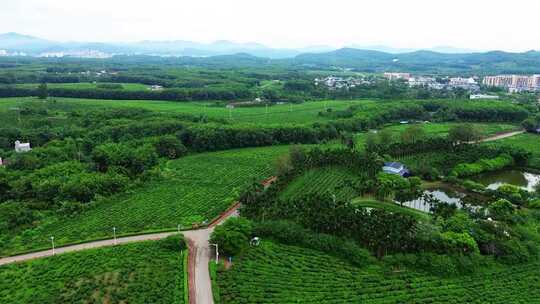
(175, 94)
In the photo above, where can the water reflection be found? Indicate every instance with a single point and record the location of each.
(453, 198)
(493, 180)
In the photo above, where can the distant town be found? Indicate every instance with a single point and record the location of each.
(509, 83)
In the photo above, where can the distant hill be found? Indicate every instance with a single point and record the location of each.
(425, 61)
(14, 42)
(255, 54)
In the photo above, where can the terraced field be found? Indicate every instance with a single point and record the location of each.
(274, 273)
(194, 189)
(120, 274)
(322, 180)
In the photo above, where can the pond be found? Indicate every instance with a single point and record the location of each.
(493, 180)
(444, 195)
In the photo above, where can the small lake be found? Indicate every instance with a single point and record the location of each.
(450, 197)
(493, 180)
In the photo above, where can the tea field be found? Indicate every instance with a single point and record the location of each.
(307, 112)
(193, 189)
(322, 180)
(275, 273)
(145, 272)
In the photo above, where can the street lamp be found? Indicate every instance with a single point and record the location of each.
(114, 234)
(217, 252)
(52, 241)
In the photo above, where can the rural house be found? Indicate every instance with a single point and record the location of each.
(22, 147)
(396, 168)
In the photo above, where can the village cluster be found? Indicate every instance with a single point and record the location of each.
(511, 83)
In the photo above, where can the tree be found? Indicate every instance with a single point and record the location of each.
(233, 235)
(464, 133)
(501, 209)
(169, 146)
(413, 134)
(42, 91)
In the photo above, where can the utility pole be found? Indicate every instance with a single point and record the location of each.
(114, 234)
(179, 228)
(217, 252)
(52, 241)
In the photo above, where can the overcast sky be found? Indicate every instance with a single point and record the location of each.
(474, 24)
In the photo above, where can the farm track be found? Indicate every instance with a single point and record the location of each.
(501, 136)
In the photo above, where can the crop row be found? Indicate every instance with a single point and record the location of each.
(275, 273)
(322, 180)
(119, 274)
(194, 188)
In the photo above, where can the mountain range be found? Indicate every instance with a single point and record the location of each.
(34, 46)
(368, 59)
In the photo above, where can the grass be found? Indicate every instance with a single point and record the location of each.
(86, 86)
(307, 112)
(392, 207)
(442, 129)
(193, 189)
(275, 273)
(322, 180)
(529, 142)
(144, 272)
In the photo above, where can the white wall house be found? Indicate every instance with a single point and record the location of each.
(22, 147)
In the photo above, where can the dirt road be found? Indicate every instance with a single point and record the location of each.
(501, 136)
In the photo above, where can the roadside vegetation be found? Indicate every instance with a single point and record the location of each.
(145, 272)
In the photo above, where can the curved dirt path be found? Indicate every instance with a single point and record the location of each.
(501, 136)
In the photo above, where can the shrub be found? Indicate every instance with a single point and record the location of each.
(169, 146)
(535, 204)
(290, 233)
(461, 243)
(14, 214)
(175, 242)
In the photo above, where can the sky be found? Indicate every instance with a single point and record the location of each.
(472, 24)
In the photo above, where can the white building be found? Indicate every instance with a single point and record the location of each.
(464, 83)
(22, 147)
(482, 96)
(397, 76)
(156, 87)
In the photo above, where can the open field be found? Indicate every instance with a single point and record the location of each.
(193, 189)
(529, 142)
(307, 112)
(145, 272)
(442, 129)
(274, 273)
(322, 180)
(86, 86)
(368, 202)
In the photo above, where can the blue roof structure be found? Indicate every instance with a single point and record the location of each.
(396, 168)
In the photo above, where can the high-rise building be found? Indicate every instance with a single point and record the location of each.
(515, 83)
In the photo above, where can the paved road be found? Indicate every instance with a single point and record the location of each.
(199, 240)
(96, 244)
(204, 253)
